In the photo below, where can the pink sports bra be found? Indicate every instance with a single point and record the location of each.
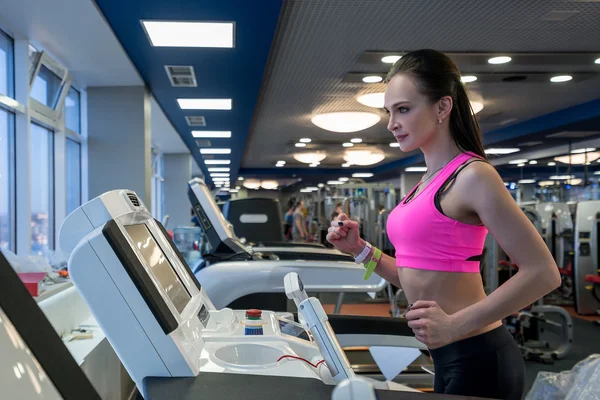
(424, 238)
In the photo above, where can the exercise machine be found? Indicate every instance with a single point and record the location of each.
(587, 258)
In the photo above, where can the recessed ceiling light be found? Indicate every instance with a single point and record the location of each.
(597, 61)
(310, 158)
(300, 144)
(345, 165)
(579, 151)
(356, 140)
(532, 162)
(219, 169)
(346, 121)
(211, 134)
(313, 165)
(520, 161)
(499, 60)
(189, 34)
(220, 174)
(521, 165)
(334, 182)
(363, 157)
(343, 179)
(240, 178)
(372, 79)
(394, 144)
(269, 185)
(561, 78)
(234, 190)
(527, 181)
(280, 162)
(390, 59)
(362, 175)
(204, 104)
(320, 185)
(501, 150)
(348, 144)
(416, 169)
(305, 140)
(551, 164)
(468, 78)
(279, 165)
(217, 162)
(374, 100)
(220, 179)
(238, 187)
(215, 151)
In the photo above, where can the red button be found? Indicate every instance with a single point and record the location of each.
(254, 313)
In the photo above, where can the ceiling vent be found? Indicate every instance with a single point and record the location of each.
(196, 120)
(181, 76)
(203, 143)
(573, 134)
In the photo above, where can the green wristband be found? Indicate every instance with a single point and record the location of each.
(372, 264)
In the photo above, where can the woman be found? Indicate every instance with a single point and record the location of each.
(299, 223)
(439, 230)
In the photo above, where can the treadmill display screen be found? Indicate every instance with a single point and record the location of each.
(292, 329)
(159, 265)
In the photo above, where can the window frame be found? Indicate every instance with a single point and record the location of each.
(12, 178)
(70, 135)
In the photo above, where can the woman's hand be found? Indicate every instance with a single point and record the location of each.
(431, 325)
(343, 234)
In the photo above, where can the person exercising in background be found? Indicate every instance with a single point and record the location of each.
(438, 232)
(299, 223)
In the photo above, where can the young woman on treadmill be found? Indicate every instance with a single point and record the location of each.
(438, 231)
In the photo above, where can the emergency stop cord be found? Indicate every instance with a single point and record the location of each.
(302, 359)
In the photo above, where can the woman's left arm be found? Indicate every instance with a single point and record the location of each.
(538, 274)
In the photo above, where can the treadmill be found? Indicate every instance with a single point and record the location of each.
(34, 362)
(209, 214)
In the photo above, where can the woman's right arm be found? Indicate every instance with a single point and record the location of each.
(345, 238)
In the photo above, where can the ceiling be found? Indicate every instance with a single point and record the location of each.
(84, 44)
(292, 59)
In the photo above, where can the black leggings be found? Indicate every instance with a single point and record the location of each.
(487, 365)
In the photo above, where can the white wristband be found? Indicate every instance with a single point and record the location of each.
(359, 259)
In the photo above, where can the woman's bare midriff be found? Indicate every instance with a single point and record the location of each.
(452, 291)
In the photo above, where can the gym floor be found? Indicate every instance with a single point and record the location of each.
(586, 336)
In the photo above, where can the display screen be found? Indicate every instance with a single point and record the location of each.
(159, 265)
(204, 316)
(292, 329)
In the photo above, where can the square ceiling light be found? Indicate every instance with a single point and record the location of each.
(211, 134)
(190, 34)
(204, 104)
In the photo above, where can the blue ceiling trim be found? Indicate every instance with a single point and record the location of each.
(301, 172)
(555, 121)
(221, 73)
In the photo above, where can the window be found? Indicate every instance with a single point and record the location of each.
(6, 181)
(73, 183)
(6, 66)
(42, 190)
(46, 87)
(72, 111)
(158, 200)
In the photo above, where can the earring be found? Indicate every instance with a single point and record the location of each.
(439, 121)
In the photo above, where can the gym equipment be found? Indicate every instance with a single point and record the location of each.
(34, 362)
(160, 320)
(587, 258)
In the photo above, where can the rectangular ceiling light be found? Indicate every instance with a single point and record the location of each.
(220, 174)
(416, 169)
(204, 104)
(501, 150)
(219, 169)
(362, 175)
(215, 151)
(211, 134)
(217, 162)
(190, 34)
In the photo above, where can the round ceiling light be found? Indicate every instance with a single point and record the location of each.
(468, 78)
(372, 79)
(345, 121)
(561, 78)
(499, 60)
(476, 106)
(251, 184)
(394, 144)
(356, 140)
(363, 157)
(310, 158)
(597, 61)
(269, 185)
(348, 144)
(390, 59)
(578, 159)
(345, 165)
(374, 100)
(305, 140)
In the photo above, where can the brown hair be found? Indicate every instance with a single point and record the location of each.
(436, 76)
